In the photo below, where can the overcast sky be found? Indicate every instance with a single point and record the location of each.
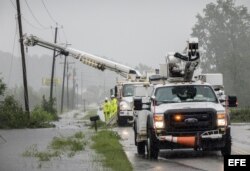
(128, 31)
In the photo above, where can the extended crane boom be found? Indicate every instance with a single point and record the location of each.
(86, 58)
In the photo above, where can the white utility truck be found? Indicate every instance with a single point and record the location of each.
(181, 112)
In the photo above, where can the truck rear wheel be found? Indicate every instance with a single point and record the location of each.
(152, 145)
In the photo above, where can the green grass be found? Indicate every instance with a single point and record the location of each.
(240, 114)
(107, 143)
(32, 151)
(58, 146)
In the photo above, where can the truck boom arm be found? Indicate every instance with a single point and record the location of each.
(86, 58)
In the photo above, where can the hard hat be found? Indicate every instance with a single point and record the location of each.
(112, 96)
(106, 99)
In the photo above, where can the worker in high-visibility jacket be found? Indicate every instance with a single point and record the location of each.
(114, 105)
(106, 109)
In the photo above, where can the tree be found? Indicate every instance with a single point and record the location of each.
(224, 37)
(2, 87)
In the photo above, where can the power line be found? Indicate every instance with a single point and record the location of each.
(27, 21)
(48, 12)
(12, 55)
(35, 27)
(34, 15)
(13, 4)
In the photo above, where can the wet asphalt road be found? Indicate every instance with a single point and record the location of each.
(188, 159)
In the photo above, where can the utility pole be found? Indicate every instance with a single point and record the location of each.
(74, 86)
(64, 70)
(26, 96)
(68, 85)
(52, 72)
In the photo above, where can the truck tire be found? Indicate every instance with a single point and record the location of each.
(135, 133)
(226, 150)
(120, 121)
(152, 145)
(141, 148)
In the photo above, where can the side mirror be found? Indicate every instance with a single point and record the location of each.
(232, 101)
(116, 91)
(153, 100)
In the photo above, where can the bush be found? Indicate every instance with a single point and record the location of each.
(240, 114)
(49, 106)
(12, 115)
(40, 118)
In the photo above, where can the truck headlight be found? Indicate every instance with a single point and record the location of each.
(125, 106)
(221, 119)
(159, 121)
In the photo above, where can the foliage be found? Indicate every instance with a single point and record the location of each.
(48, 106)
(224, 36)
(2, 87)
(57, 147)
(107, 143)
(12, 115)
(32, 151)
(39, 118)
(18, 92)
(240, 115)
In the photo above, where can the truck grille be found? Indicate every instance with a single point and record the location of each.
(190, 120)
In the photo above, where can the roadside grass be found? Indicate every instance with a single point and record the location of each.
(106, 142)
(240, 115)
(58, 146)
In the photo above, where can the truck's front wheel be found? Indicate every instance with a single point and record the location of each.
(141, 148)
(226, 150)
(152, 145)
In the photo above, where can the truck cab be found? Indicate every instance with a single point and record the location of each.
(124, 92)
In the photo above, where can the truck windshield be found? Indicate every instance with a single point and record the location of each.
(190, 93)
(141, 91)
(128, 90)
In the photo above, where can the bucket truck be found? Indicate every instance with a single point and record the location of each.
(181, 112)
(123, 90)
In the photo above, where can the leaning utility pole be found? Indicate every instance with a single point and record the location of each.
(52, 72)
(26, 96)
